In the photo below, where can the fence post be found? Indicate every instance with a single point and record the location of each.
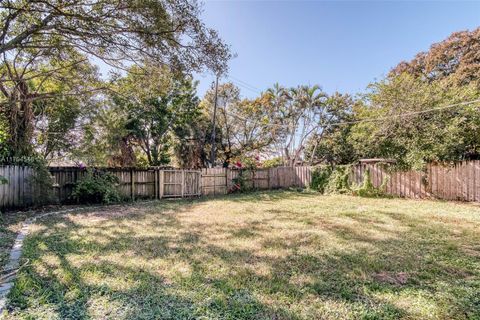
(161, 184)
(132, 185)
(268, 178)
(214, 181)
(227, 187)
(155, 182)
(183, 183)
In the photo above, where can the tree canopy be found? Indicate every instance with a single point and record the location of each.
(56, 105)
(49, 51)
(117, 32)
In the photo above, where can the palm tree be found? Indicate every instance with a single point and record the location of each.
(296, 113)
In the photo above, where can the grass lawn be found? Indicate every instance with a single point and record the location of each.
(271, 255)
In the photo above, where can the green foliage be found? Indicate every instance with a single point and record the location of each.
(320, 177)
(240, 124)
(448, 134)
(4, 147)
(339, 180)
(152, 114)
(43, 180)
(454, 60)
(272, 163)
(240, 182)
(332, 145)
(367, 189)
(331, 179)
(97, 187)
(336, 180)
(299, 111)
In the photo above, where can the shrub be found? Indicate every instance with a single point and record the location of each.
(240, 182)
(320, 176)
(367, 189)
(328, 179)
(338, 181)
(97, 187)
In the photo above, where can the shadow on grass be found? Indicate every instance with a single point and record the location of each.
(308, 276)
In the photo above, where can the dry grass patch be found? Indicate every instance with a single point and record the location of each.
(272, 255)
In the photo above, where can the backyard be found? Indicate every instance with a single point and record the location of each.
(268, 255)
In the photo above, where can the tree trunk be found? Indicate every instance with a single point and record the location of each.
(20, 121)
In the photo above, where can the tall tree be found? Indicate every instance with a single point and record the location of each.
(28, 84)
(42, 40)
(155, 107)
(331, 143)
(294, 115)
(240, 123)
(409, 129)
(455, 59)
(117, 32)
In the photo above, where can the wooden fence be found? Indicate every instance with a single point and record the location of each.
(460, 181)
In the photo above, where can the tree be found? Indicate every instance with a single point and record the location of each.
(59, 122)
(45, 40)
(117, 32)
(192, 144)
(455, 59)
(30, 87)
(105, 140)
(154, 108)
(294, 115)
(240, 123)
(332, 143)
(409, 131)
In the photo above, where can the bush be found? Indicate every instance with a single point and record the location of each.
(320, 178)
(240, 182)
(97, 187)
(367, 189)
(328, 179)
(331, 180)
(338, 181)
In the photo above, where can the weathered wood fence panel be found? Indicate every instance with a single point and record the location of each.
(20, 189)
(215, 181)
(458, 181)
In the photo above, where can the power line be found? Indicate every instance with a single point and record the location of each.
(245, 84)
(460, 104)
(245, 87)
(241, 83)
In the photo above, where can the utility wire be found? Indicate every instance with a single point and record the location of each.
(401, 115)
(245, 84)
(460, 104)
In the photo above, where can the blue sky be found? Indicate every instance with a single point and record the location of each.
(339, 45)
